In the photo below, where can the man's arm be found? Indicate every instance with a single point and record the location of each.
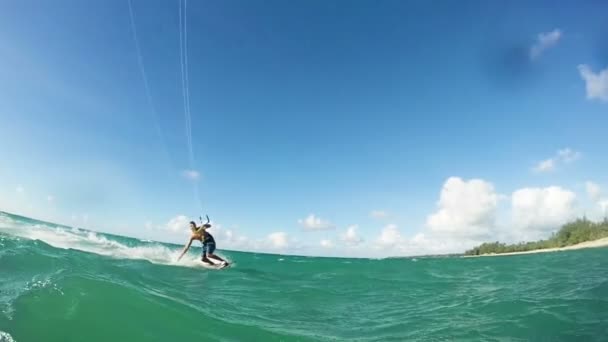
(185, 248)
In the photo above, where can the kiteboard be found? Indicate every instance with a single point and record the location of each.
(217, 265)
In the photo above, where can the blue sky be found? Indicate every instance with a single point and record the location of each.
(446, 120)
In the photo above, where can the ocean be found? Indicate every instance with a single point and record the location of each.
(66, 284)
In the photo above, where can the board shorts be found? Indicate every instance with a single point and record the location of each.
(208, 248)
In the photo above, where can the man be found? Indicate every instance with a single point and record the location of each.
(201, 234)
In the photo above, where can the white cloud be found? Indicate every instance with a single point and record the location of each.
(542, 209)
(545, 166)
(390, 236)
(351, 237)
(425, 243)
(466, 208)
(567, 155)
(604, 205)
(596, 84)
(326, 243)
(600, 204)
(593, 190)
(466, 217)
(191, 175)
(278, 240)
(177, 229)
(231, 239)
(315, 223)
(178, 224)
(543, 42)
(378, 214)
(563, 156)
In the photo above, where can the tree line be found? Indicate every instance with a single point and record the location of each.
(569, 234)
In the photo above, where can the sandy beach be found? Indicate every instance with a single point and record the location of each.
(587, 244)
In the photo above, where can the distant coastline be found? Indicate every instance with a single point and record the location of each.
(578, 234)
(603, 242)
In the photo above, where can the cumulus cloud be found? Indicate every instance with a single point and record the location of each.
(545, 166)
(178, 229)
(378, 214)
(542, 209)
(351, 237)
(178, 224)
(568, 155)
(466, 218)
(593, 190)
(232, 239)
(391, 242)
(326, 243)
(278, 240)
(604, 205)
(600, 204)
(315, 223)
(466, 208)
(390, 236)
(192, 175)
(226, 238)
(596, 84)
(563, 156)
(544, 41)
(428, 243)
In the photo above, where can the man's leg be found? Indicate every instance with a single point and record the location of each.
(213, 256)
(204, 257)
(207, 261)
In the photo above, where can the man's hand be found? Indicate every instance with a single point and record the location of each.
(185, 249)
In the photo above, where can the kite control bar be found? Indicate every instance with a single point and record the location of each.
(200, 218)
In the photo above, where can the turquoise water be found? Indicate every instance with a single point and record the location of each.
(64, 284)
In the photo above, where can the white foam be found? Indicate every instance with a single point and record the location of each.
(96, 243)
(6, 337)
(6, 221)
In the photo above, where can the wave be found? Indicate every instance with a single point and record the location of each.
(92, 242)
(6, 337)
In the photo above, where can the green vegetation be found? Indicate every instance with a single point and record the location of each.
(571, 233)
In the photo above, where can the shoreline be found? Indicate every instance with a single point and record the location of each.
(603, 242)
